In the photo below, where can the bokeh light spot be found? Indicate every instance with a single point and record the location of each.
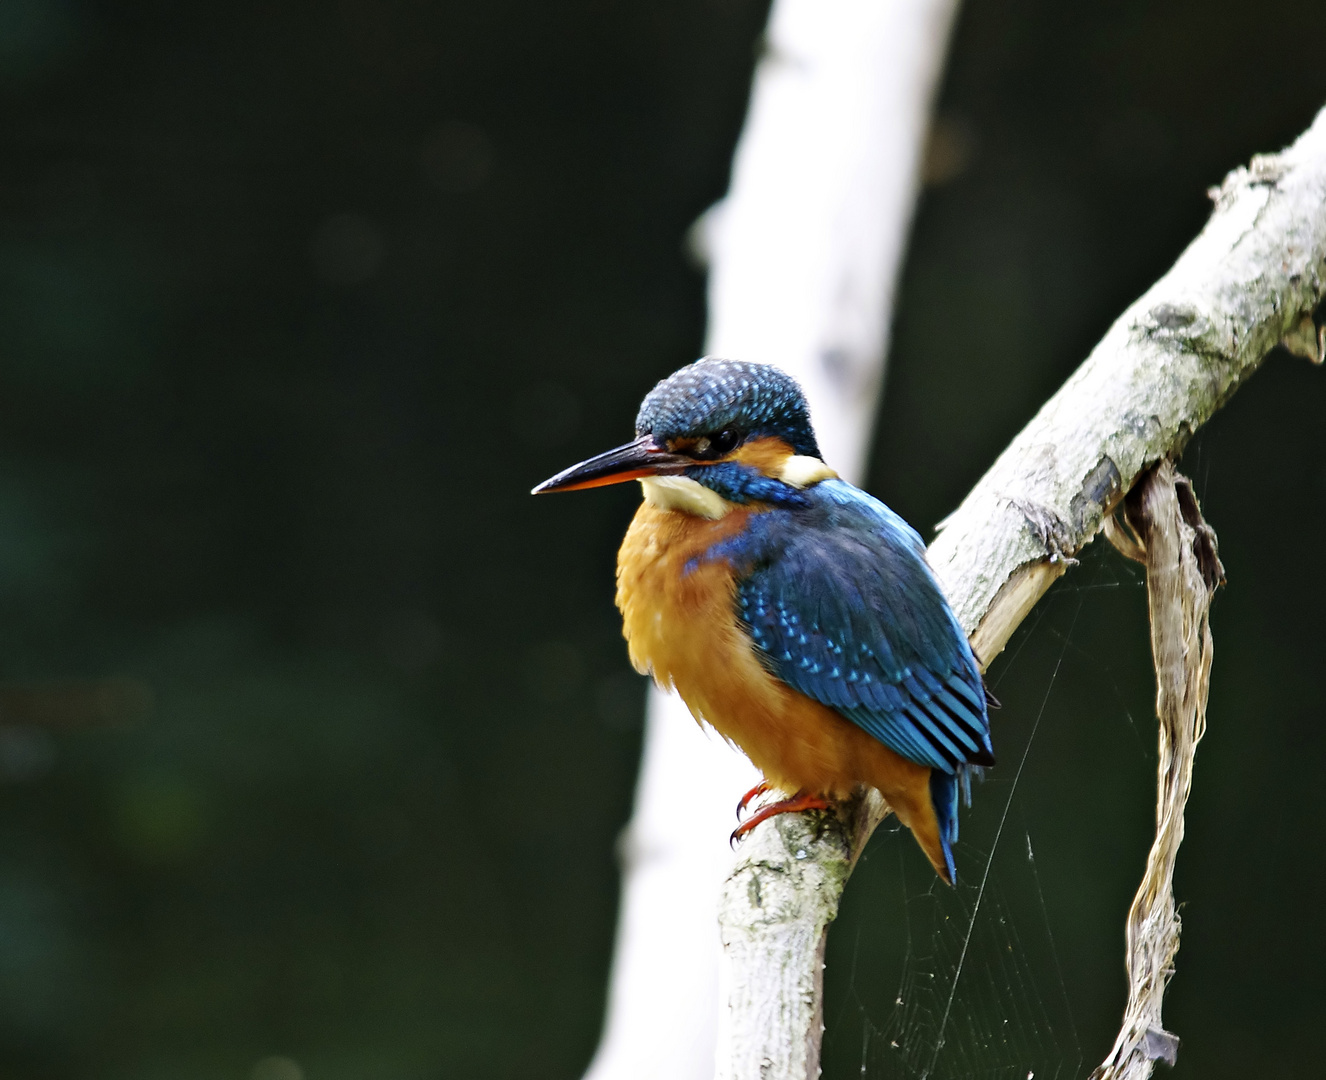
(276, 1068)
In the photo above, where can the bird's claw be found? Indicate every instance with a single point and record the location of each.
(800, 801)
(758, 789)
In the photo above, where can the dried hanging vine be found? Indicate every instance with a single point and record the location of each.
(1161, 526)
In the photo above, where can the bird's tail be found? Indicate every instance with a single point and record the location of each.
(926, 801)
(944, 797)
(931, 812)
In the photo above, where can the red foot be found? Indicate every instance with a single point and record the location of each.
(799, 801)
(758, 789)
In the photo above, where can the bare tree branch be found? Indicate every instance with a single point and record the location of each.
(1251, 279)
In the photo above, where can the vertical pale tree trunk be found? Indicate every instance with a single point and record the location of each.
(804, 255)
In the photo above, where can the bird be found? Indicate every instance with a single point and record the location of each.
(793, 612)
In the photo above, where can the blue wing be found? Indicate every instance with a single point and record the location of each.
(838, 597)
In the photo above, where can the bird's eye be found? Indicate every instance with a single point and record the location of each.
(725, 441)
(710, 447)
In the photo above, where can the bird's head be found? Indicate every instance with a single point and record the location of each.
(739, 432)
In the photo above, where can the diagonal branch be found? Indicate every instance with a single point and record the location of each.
(1251, 280)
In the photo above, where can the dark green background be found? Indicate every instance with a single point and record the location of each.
(316, 732)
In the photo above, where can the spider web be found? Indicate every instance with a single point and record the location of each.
(979, 991)
(989, 1017)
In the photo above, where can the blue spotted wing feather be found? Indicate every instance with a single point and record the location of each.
(838, 597)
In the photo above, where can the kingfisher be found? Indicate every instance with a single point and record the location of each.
(792, 612)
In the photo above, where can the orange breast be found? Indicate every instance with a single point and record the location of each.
(682, 628)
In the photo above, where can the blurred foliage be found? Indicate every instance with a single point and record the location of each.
(315, 732)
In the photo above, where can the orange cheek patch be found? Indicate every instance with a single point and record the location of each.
(767, 455)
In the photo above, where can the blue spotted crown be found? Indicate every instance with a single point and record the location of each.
(756, 400)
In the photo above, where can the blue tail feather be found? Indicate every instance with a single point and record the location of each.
(944, 796)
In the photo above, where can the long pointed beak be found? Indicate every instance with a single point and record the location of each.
(637, 459)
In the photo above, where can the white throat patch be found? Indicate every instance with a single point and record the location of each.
(684, 494)
(800, 471)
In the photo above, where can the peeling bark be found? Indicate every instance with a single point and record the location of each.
(1183, 571)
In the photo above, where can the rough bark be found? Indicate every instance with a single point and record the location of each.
(774, 917)
(1251, 279)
